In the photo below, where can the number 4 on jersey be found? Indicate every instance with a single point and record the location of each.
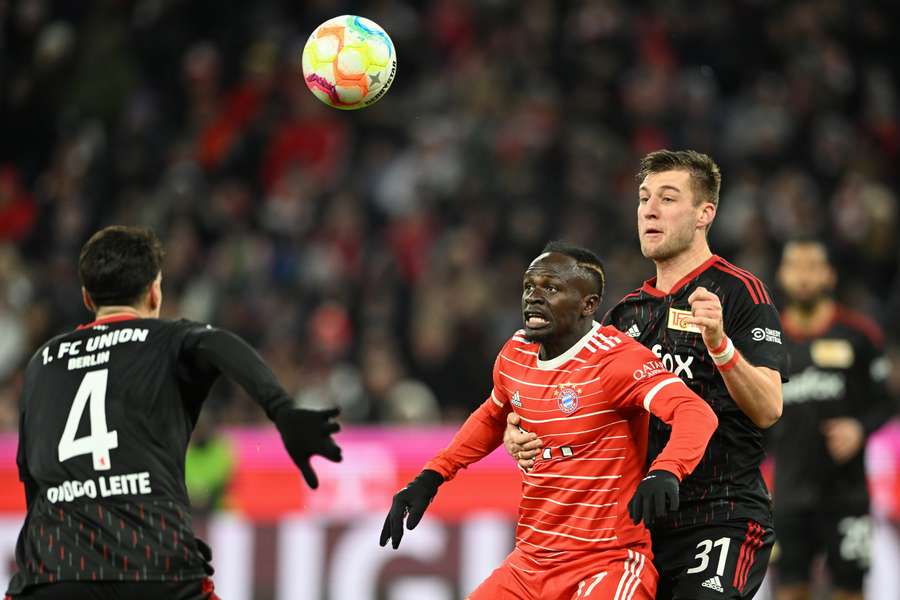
(100, 441)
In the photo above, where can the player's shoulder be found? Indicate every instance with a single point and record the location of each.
(860, 324)
(738, 283)
(617, 309)
(36, 358)
(517, 340)
(613, 342)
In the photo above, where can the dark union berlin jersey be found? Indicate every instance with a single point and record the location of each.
(839, 371)
(727, 483)
(107, 412)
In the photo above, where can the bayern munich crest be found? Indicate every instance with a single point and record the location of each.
(567, 398)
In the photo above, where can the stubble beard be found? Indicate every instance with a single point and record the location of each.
(669, 248)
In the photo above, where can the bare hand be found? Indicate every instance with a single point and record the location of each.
(706, 314)
(844, 438)
(522, 445)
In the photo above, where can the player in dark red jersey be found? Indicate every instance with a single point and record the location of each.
(835, 399)
(107, 412)
(714, 325)
(588, 390)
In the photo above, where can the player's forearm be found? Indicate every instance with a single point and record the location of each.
(756, 391)
(480, 435)
(693, 423)
(237, 360)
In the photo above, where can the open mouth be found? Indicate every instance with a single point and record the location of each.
(535, 320)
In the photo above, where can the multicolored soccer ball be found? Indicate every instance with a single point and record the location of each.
(349, 62)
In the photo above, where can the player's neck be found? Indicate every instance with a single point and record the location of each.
(550, 349)
(114, 311)
(807, 320)
(672, 270)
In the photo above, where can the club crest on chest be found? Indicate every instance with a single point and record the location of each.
(567, 397)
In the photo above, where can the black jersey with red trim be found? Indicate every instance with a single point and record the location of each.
(107, 412)
(727, 483)
(838, 371)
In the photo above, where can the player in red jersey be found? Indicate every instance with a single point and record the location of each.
(714, 325)
(588, 391)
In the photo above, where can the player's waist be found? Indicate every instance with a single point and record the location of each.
(549, 542)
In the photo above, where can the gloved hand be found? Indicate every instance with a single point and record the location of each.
(206, 554)
(412, 501)
(308, 432)
(655, 491)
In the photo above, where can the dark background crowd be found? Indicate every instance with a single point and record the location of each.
(375, 257)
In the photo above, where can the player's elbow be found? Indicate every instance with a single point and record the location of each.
(770, 413)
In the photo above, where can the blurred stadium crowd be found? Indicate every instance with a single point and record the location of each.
(375, 257)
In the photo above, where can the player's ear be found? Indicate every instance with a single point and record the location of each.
(590, 304)
(707, 214)
(154, 294)
(86, 298)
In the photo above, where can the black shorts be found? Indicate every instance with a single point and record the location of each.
(196, 589)
(724, 560)
(844, 537)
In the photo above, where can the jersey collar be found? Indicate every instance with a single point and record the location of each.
(649, 286)
(566, 356)
(109, 319)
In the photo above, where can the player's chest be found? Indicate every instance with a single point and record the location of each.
(663, 327)
(821, 371)
(560, 401)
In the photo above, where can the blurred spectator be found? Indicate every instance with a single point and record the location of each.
(208, 466)
(375, 256)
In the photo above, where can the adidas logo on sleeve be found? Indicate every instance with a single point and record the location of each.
(633, 331)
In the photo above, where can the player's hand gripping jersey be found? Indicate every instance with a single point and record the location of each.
(590, 406)
(727, 483)
(106, 417)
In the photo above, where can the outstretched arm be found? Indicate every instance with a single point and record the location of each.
(693, 423)
(479, 436)
(304, 432)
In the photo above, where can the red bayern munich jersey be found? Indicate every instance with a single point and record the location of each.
(589, 406)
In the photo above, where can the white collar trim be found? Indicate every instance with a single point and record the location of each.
(566, 356)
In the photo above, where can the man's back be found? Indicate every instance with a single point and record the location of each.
(107, 415)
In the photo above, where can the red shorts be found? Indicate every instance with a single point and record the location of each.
(616, 575)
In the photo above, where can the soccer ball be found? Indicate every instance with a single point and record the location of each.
(349, 62)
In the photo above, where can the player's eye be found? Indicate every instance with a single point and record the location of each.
(643, 199)
(551, 288)
(668, 199)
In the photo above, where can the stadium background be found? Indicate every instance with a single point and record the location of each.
(375, 257)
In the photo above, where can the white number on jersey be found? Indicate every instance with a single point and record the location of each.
(100, 441)
(703, 555)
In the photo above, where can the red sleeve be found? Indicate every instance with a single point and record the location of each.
(637, 378)
(480, 435)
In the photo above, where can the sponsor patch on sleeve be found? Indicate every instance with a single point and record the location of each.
(764, 334)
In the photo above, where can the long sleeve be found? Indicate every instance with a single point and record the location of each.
(480, 435)
(215, 350)
(874, 404)
(693, 423)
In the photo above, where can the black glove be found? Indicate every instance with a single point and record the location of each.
(653, 493)
(411, 500)
(206, 554)
(308, 432)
